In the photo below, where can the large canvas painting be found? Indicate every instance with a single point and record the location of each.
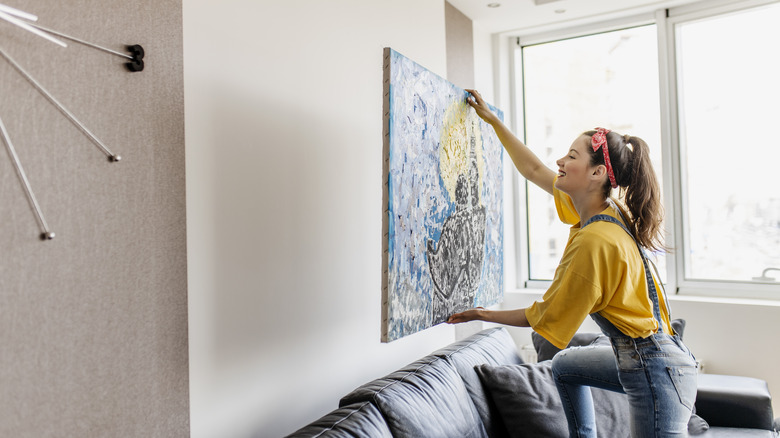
(443, 224)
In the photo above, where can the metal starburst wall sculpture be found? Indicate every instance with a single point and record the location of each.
(27, 22)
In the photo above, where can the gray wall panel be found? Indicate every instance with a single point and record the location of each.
(460, 47)
(93, 324)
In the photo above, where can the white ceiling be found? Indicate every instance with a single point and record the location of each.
(528, 16)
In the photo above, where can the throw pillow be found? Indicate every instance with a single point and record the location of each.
(528, 402)
(679, 326)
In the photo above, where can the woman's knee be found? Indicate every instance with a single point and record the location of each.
(561, 363)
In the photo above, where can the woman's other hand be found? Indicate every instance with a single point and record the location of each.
(469, 315)
(481, 107)
(515, 317)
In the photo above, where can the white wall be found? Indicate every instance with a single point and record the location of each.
(283, 107)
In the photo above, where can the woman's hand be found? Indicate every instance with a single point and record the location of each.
(469, 315)
(529, 165)
(481, 107)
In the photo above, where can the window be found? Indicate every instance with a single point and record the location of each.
(574, 85)
(711, 134)
(728, 70)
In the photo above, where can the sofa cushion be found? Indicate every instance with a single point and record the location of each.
(530, 406)
(424, 399)
(493, 347)
(359, 420)
(729, 432)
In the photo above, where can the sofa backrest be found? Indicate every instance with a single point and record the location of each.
(440, 395)
(425, 399)
(734, 401)
(355, 420)
(492, 347)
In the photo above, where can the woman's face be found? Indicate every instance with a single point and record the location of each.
(574, 169)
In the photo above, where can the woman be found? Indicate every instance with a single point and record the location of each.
(605, 274)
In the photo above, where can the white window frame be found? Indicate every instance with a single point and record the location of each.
(675, 192)
(673, 152)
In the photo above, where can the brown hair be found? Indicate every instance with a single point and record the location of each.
(639, 188)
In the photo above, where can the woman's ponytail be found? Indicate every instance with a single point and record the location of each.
(639, 188)
(642, 196)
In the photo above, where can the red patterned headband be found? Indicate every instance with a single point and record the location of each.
(599, 140)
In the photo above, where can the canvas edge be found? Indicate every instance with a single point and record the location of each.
(385, 192)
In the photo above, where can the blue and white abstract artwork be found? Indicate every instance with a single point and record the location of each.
(444, 224)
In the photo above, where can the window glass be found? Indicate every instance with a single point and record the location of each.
(728, 94)
(571, 86)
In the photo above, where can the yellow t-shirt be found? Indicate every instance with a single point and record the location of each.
(601, 271)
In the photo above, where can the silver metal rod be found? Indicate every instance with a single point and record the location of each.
(47, 234)
(62, 108)
(16, 12)
(29, 27)
(76, 40)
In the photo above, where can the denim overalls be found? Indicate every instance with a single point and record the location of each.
(657, 373)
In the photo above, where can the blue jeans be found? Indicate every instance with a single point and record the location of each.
(658, 374)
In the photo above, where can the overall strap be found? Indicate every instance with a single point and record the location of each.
(652, 292)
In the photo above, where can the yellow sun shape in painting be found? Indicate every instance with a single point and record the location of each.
(460, 149)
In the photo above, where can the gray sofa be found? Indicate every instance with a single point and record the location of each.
(479, 387)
